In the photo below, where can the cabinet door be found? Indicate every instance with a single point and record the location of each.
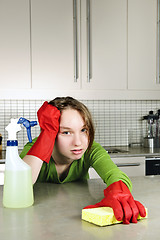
(15, 44)
(53, 44)
(142, 37)
(108, 44)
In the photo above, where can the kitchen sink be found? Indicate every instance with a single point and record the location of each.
(112, 150)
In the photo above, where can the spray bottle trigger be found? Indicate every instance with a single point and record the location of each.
(27, 124)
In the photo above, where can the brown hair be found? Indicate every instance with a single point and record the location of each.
(63, 103)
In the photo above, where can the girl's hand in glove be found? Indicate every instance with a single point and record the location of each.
(48, 117)
(120, 199)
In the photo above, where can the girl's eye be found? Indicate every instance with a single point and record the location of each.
(84, 130)
(66, 133)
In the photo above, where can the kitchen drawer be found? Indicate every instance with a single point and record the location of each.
(132, 166)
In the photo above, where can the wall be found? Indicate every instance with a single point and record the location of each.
(113, 118)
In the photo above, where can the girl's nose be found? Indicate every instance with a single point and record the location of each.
(77, 140)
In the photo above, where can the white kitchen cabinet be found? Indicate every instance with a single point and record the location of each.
(111, 55)
(54, 41)
(92, 173)
(104, 45)
(15, 44)
(54, 48)
(142, 45)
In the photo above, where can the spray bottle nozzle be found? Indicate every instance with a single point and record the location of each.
(12, 129)
(27, 124)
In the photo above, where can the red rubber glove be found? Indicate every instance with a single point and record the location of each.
(48, 117)
(120, 199)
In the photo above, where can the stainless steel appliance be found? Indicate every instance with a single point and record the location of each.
(152, 166)
(152, 138)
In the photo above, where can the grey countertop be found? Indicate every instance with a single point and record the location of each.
(135, 151)
(123, 151)
(56, 213)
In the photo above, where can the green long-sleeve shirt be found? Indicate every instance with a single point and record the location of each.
(97, 158)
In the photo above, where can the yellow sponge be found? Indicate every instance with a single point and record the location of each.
(101, 216)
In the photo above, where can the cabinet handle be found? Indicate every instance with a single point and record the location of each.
(128, 164)
(75, 40)
(88, 41)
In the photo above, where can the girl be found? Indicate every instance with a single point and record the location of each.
(65, 149)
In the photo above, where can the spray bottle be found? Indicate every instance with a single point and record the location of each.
(18, 188)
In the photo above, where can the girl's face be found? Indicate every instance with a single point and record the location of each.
(72, 139)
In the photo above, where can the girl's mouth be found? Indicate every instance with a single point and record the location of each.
(76, 151)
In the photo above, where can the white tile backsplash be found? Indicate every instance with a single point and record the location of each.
(113, 118)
